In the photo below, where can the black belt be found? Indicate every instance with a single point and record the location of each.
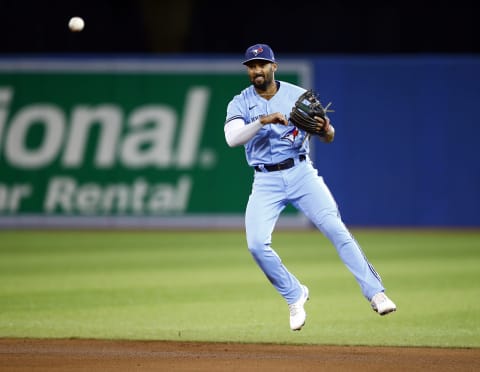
(286, 164)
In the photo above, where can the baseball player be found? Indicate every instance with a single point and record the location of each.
(278, 153)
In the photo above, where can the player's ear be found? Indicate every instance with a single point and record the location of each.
(274, 67)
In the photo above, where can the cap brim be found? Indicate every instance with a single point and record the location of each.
(258, 59)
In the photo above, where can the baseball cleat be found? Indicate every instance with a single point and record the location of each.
(297, 312)
(382, 304)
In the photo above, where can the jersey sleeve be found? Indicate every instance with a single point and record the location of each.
(235, 109)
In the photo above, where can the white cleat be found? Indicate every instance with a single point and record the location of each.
(297, 312)
(382, 304)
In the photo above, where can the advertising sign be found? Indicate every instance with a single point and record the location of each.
(119, 142)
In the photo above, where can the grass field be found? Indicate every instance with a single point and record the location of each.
(204, 286)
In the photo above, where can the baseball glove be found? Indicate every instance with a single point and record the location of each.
(303, 113)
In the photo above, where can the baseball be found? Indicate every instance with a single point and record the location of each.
(76, 24)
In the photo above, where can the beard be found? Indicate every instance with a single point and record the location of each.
(262, 84)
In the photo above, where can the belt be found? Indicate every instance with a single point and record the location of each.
(286, 164)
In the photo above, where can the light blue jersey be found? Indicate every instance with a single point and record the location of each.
(273, 143)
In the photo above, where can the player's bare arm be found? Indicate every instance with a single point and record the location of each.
(276, 118)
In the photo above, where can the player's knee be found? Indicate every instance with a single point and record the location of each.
(336, 231)
(256, 246)
(327, 220)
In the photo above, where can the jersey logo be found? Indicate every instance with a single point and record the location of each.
(252, 107)
(291, 135)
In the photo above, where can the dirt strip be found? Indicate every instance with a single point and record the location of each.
(104, 355)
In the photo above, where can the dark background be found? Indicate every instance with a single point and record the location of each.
(189, 26)
(404, 80)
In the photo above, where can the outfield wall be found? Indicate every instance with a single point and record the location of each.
(407, 149)
(139, 142)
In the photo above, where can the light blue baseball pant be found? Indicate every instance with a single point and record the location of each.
(305, 190)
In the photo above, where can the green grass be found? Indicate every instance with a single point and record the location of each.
(204, 286)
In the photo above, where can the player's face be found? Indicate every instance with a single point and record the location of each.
(261, 73)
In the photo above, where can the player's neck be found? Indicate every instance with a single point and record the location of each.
(269, 92)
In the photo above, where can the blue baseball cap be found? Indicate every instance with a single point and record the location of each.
(259, 51)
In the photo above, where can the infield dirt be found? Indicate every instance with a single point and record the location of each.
(114, 355)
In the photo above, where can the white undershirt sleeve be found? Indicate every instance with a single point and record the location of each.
(238, 133)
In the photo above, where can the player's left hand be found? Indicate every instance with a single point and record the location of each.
(323, 123)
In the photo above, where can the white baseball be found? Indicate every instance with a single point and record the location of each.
(76, 24)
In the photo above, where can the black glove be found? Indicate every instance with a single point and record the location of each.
(306, 108)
